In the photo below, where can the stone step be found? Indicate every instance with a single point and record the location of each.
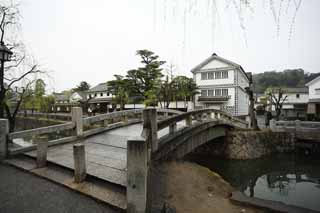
(111, 194)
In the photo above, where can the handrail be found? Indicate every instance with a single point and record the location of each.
(42, 130)
(174, 119)
(110, 115)
(116, 114)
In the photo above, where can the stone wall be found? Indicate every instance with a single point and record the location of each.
(249, 144)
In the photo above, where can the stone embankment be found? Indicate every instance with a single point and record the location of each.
(250, 144)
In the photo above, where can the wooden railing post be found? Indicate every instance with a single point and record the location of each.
(150, 128)
(137, 175)
(79, 158)
(42, 149)
(76, 114)
(4, 131)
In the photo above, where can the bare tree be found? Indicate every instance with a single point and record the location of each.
(277, 97)
(252, 114)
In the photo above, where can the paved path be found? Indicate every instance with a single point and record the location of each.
(24, 192)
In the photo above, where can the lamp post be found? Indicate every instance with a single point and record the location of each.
(5, 55)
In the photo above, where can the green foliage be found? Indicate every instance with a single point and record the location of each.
(83, 86)
(185, 87)
(146, 79)
(40, 88)
(119, 89)
(287, 78)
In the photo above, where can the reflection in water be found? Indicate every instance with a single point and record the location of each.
(291, 179)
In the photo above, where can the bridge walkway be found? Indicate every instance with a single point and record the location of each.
(106, 153)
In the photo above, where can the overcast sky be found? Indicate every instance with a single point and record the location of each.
(93, 40)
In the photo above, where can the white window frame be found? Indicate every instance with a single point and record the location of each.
(204, 91)
(204, 76)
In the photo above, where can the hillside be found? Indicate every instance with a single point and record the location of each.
(286, 78)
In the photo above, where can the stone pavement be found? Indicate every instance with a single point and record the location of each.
(24, 192)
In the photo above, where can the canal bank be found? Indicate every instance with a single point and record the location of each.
(188, 187)
(292, 179)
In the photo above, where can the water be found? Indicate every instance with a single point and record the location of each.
(289, 178)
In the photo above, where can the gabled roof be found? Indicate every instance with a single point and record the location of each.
(214, 56)
(313, 81)
(61, 97)
(99, 88)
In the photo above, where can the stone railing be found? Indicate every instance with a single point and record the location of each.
(140, 150)
(79, 126)
(54, 116)
(297, 126)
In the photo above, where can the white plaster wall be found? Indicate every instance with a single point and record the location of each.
(229, 80)
(231, 93)
(242, 80)
(243, 103)
(98, 95)
(312, 90)
(304, 98)
(75, 97)
(215, 64)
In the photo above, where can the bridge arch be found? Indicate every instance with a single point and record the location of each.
(186, 140)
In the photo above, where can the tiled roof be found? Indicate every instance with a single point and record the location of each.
(99, 88)
(296, 90)
(61, 97)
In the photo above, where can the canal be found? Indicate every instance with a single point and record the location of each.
(290, 178)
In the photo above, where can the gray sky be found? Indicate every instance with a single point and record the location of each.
(93, 40)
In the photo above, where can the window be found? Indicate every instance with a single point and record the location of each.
(90, 96)
(224, 92)
(317, 91)
(210, 93)
(218, 92)
(95, 94)
(204, 76)
(108, 94)
(225, 74)
(203, 92)
(210, 75)
(101, 94)
(297, 95)
(217, 75)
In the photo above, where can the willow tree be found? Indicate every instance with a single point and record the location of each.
(21, 71)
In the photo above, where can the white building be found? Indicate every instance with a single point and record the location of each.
(295, 104)
(314, 97)
(222, 85)
(99, 98)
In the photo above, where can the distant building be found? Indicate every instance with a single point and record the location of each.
(295, 105)
(222, 85)
(314, 98)
(99, 98)
(64, 102)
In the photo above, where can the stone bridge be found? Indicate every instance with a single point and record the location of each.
(117, 148)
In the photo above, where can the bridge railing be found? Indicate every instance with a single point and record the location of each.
(198, 115)
(55, 116)
(297, 126)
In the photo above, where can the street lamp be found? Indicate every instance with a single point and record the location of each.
(5, 55)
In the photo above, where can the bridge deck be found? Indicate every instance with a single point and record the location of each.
(106, 153)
